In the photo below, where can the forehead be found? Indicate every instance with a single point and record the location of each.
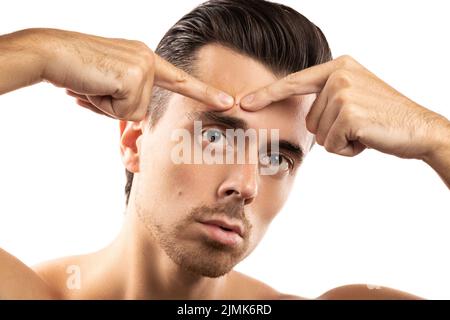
(239, 75)
(234, 72)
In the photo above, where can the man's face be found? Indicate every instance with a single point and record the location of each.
(182, 204)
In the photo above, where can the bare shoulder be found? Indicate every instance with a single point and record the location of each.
(61, 275)
(346, 292)
(18, 281)
(251, 288)
(366, 292)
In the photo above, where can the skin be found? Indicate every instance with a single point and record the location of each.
(355, 110)
(150, 257)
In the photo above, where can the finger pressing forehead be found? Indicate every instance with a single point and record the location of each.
(174, 79)
(307, 81)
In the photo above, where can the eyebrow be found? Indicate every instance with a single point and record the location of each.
(211, 116)
(237, 123)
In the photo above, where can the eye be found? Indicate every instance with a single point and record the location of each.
(276, 160)
(213, 135)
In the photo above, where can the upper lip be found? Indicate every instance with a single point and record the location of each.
(236, 227)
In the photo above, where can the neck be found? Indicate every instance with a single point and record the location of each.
(144, 271)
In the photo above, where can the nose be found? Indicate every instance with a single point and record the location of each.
(241, 182)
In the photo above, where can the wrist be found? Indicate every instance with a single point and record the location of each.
(440, 143)
(32, 43)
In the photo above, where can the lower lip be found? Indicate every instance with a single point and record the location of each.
(229, 238)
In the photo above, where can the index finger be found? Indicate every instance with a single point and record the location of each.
(306, 81)
(174, 79)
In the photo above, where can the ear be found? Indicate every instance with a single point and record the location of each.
(130, 136)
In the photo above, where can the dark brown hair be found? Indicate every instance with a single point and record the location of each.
(275, 35)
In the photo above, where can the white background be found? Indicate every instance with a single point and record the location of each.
(370, 219)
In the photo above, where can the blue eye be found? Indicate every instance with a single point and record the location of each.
(213, 135)
(276, 160)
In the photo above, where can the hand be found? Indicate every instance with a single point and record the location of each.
(115, 77)
(355, 110)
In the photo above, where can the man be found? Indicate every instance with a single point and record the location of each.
(257, 65)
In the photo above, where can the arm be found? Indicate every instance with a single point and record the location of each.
(117, 84)
(21, 61)
(439, 157)
(21, 64)
(114, 77)
(355, 110)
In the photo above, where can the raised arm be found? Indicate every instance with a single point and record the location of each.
(113, 77)
(21, 60)
(355, 110)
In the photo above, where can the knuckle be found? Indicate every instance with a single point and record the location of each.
(341, 98)
(269, 92)
(147, 57)
(144, 55)
(291, 81)
(181, 76)
(349, 113)
(180, 79)
(319, 139)
(139, 45)
(341, 78)
(137, 72)
(150, 58)
(207, 91)
(123, 109)
(346, 61)
(118, 88)
(328, 146)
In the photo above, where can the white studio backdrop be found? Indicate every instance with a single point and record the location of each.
(370, 219)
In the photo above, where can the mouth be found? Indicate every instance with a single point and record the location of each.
(226, 225)
(224, 231)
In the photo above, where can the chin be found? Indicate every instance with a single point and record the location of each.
(207, 262)
(208, 271)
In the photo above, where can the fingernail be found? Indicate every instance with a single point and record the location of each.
(226, 99)
(248, 100)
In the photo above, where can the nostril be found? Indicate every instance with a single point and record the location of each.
(229, 192)
(233, 193)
